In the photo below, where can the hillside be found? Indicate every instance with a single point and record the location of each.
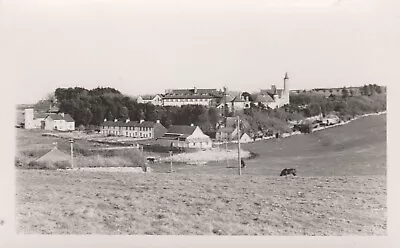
(357, 148)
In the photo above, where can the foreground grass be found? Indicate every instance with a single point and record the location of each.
(73, 202)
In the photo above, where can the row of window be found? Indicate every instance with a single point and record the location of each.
(186, 100)
(129, 134)
(146, 129)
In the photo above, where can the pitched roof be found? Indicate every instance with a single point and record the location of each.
(68, 118)
(225, 130)
(130, 124)
(40, 115)
(55, 117)
(148, 97)
(181, 129)
(264, 98)
(192, 96)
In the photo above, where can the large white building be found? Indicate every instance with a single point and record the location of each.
(134, 129)
(187, 137)
(179, 97)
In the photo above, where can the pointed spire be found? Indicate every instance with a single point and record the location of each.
(286, 76)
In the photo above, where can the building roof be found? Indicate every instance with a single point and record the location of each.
(227, 98)
(264, 98)
(193, 91)
(225, 130)
(40, 115)
(148, 97)
(181, 129)
(131, 124)
(68, 118)
(55, 117)
(192, 96)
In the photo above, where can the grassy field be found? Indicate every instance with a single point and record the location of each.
(61, 202)
(340, 190)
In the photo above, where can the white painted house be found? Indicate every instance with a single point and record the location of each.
(187, 137)
(155, 100)
(48, 121)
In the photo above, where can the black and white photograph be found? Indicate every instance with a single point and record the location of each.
(200, 118)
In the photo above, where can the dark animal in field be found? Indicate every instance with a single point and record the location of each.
(289, 171)
(242, 163)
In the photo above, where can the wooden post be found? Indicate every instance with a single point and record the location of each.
(71, 141)
(238, 133)
(226, 151)
(170, 156)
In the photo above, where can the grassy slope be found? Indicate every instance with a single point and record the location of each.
(121, 203)
(357, 148)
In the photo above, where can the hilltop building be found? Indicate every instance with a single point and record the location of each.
(179, 97)
(48, 121)
(275, 98)
(152, 99)
(134, 129)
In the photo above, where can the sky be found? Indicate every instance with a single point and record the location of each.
(145, 47)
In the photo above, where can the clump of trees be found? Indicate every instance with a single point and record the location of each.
(91, 107)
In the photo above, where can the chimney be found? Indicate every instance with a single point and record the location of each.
(273, 88)
(195, 90)
(141, 120)
(127, 120)
(157, 121)
(192, 125)
(115, 120)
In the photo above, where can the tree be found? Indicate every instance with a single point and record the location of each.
(345, 93)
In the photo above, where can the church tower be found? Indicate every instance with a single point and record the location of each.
(286, 89)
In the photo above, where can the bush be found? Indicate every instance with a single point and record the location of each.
(48, 165)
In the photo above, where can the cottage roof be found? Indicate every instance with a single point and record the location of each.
(68, 118)
(131, 124)
(55, 117)
(225, 130)
(264, 98)
(148, 97)
(40, 115)
(181, 129)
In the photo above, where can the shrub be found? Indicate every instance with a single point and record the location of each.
(48, 165)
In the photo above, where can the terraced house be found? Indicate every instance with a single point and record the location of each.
(134, 129)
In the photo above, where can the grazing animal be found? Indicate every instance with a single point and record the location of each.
(242, 163)
(287, 171)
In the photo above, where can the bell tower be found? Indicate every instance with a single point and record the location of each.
(286, 89)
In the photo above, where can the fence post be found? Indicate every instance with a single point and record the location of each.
(71, 141)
